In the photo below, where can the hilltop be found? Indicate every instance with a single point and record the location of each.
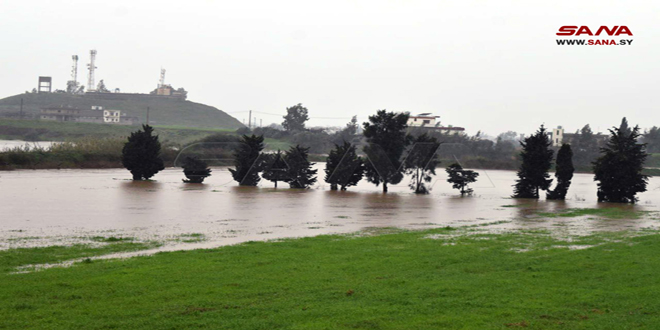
(165, 111)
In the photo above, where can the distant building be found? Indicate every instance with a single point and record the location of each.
(45, 84)
(428, 121)
(558, 137)
(96, 115)
(423, 119)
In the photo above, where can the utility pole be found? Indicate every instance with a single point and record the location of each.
(250, 120)
(147, 115)
(21, 112)
(261, 124)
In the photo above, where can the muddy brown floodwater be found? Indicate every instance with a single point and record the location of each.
(56, 207)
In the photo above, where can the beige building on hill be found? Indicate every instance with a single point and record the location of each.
(95, 115)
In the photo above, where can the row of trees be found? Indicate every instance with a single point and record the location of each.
(387, 139)
(617, 169)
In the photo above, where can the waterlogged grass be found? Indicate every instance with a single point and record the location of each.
(192, 238)
(11, 259)
(441, 278)
(609, 212)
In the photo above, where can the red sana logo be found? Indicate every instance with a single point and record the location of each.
(569, 30)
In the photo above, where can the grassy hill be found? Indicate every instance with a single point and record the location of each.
(45, 130)
(164, 111)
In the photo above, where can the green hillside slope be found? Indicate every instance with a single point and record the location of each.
(163, 111)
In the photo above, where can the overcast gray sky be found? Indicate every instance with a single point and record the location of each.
(490, 66)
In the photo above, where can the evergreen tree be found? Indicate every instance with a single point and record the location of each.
(387, 139)
(421, 162)
(536, 161)
(585, 147)
(652, 139)
(276, 168)
(563, 172)
(195, 170)
(343, 168)
(247, 160)
(624, 129)
(141, 154)
(295, 118)
(460, 178)
(300, 173)
(619, 168)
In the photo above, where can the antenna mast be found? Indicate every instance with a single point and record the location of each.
(74, 70)
(161, 83)
(91, 66)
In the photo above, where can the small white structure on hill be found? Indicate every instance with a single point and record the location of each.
(428, 121)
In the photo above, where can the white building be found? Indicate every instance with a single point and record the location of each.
(557, 136)
(426, 120)
(423, 119)
(111, 116)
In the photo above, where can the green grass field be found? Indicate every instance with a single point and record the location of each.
(441, 278)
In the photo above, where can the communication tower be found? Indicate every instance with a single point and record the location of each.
(91, 66)
(161, 83)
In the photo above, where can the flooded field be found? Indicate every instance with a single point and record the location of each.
(56, 207)
(10, 144)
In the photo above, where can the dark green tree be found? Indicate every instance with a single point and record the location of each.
(295, 118)
(536, 158)
(460, 178)
(421, 161)
(141, 154)
(585, 147)
(387, 139)
(624, 129)
(196, 170)
(563, 172)
(652, 139)
(619, 168)
(247, 160)
(276, 168)
(300, 173)
(343, 168)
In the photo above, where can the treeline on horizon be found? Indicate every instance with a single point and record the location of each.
(474, 151)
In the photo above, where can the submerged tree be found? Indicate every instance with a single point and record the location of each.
(343, 168)
(387, 139)
(275, 168)
(460, 178)
(196, 170)
(421, 162)
(563, 172)
(536, 162)
(300, 173)
(619, 168)
(141, 154)
(247, 161)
